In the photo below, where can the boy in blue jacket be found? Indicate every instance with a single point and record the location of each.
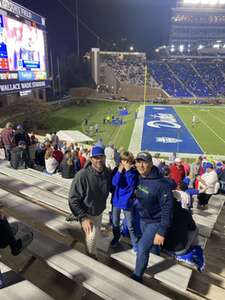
(125, 182)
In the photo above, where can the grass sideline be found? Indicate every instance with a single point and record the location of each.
(72, 117)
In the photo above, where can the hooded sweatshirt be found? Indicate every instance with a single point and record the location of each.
(124, 184)
(89, 191)
(155, 200)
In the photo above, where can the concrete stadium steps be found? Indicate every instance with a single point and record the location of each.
(24, 207)
(57, 224)
(164, 270)
(206, 219)
(36, 185)
(94, 276)
(17, 288)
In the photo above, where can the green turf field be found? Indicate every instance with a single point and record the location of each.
(72, 117)
(210, 128)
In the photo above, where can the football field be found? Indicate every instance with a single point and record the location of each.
(208, 134)
(209, 130)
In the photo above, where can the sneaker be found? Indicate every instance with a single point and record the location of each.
(135, 249)
(14, 228)
(24, 242)
(114, 243)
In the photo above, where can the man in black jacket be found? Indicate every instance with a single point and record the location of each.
(88, 195)
(19, 157)
(155, 203)
(183, 232)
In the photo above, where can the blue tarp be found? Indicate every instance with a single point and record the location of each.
(123, 112)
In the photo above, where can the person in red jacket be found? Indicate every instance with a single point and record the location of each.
(57, 154)
(7, 139)
(177, 172)
(82, 159)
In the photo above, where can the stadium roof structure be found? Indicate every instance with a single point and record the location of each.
(73, 136)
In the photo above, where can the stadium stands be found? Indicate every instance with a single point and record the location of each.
(183, 78)
(164, 76)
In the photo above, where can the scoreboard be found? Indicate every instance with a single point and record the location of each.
(23, 49)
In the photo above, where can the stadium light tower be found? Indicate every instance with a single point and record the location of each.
(77, 27)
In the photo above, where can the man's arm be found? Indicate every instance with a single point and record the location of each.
(166, 204)
(77, 195)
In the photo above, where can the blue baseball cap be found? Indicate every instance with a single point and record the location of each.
(97, 151)
(209, 165)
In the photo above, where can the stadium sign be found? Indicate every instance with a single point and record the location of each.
(21, 11)
(8, 88)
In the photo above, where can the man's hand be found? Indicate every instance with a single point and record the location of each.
(159, 240)
(87, 226)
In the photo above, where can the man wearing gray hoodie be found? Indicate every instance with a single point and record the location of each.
(88, 194)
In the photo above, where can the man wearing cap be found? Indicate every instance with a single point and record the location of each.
(155, 204)
(88, 195)
(207, 183)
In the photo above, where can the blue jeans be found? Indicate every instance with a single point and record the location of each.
(116, 224)
(145, 246)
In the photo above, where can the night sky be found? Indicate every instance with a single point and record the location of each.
(145, 23)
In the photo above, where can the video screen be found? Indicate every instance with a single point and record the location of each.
(22, 50)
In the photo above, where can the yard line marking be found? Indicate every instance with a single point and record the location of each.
(221, 121)
(189, 130)
(213, 131)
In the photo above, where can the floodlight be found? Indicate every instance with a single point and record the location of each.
(204, 2)
(181, 48)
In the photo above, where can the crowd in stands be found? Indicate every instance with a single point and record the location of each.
(128, 69)
(156, 196)
(164, 76)
(188, 79)
(178, 79)
(212, 74)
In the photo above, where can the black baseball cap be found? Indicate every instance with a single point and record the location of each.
(144, 156)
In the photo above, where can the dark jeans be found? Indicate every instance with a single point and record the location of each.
(203, 198)
(8, 149)
(6, 235)
(116, 224)
(145, 246)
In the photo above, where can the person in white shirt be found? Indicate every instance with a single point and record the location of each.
(51, 163)
(181, 196)
(207, 184)
(110, 156)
